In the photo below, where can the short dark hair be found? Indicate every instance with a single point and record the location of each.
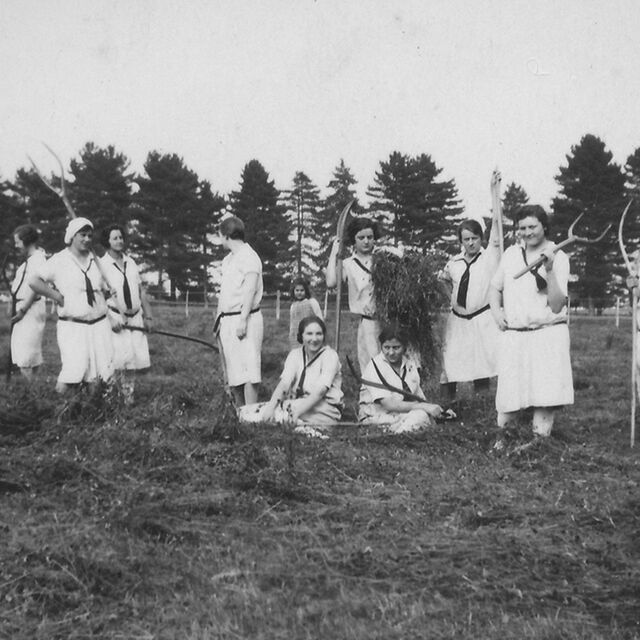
(391, 331)
(28, 234)
(232, 228)
(305, 322)
(106, 234)
(470, 225)
(359, 224)
(301, 282)
(534, 211)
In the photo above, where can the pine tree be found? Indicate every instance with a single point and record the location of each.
(267, 229)
(632, 174)
(514, 197)
(323, 226)
(102, 185)
(169, 228)
(421, 210)
(11, 214)
(303, 204)
(41, 207)
(591, 183)
(632, 191)
(210, 208)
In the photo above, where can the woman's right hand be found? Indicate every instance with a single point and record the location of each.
(59, 299)
(500, 319)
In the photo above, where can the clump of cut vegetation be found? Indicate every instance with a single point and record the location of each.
(408, 292)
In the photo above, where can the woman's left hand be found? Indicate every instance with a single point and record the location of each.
(549, 254)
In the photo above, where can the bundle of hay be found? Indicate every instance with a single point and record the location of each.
(408, 292)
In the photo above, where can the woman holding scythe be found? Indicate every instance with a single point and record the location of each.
(362, 233)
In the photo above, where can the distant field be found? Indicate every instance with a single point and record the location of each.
(167, 520)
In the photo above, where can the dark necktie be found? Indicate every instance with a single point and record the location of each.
(126, 290)
(463, 287)
(91, 297)
(541, 283)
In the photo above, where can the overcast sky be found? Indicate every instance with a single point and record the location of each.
(300, 84)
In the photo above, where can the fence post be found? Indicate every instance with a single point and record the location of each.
(617, 311)
(278, 304)
(186, 304)
(568, 309)
(326, 303)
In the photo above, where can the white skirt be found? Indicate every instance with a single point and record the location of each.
(131, 348)
(26, 337)
(243, 358)
(534, 369)
(86, 351)
(470, 348)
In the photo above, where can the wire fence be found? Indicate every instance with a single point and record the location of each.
(278, 303)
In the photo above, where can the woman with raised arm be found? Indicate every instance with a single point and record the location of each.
(471, 336)
(534, 367)
(84, 331)
(356, 271)
(30, 316)
(309, 393)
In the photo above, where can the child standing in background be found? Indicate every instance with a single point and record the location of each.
(302, 306)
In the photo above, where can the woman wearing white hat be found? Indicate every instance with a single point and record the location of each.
(84, 331)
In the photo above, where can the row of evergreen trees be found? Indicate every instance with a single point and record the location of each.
(172, 213)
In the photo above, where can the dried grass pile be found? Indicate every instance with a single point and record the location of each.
(408, 292)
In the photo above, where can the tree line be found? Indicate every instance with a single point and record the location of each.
(171, 213)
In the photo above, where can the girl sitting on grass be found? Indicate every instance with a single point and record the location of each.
(309, 393)
(386, 407)
(303, 305)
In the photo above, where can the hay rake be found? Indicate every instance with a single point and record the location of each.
(569, 240)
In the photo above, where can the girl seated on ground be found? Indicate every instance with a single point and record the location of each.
(302, 306)
(391, 368)
(309, 393)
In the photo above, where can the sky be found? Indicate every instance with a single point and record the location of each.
(299, 85)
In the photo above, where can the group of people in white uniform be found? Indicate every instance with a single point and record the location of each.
(515, 328)
(100, 302)
(499, 325)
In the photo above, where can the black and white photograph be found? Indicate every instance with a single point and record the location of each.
(319, 320)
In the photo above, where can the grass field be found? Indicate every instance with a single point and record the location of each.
(167, 520)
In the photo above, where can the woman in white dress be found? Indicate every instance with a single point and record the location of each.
(73, 280)
(471, 337)
(534, 367)
(309, 393)
(384, 406)
(130, 306)
(30, 311)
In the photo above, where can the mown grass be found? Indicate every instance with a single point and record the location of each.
(169, 520)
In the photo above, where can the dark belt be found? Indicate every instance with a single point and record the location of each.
(468, 316)
(365, 317)
(80, 321)
(126, 313)
(224, 314)
(544, 326)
